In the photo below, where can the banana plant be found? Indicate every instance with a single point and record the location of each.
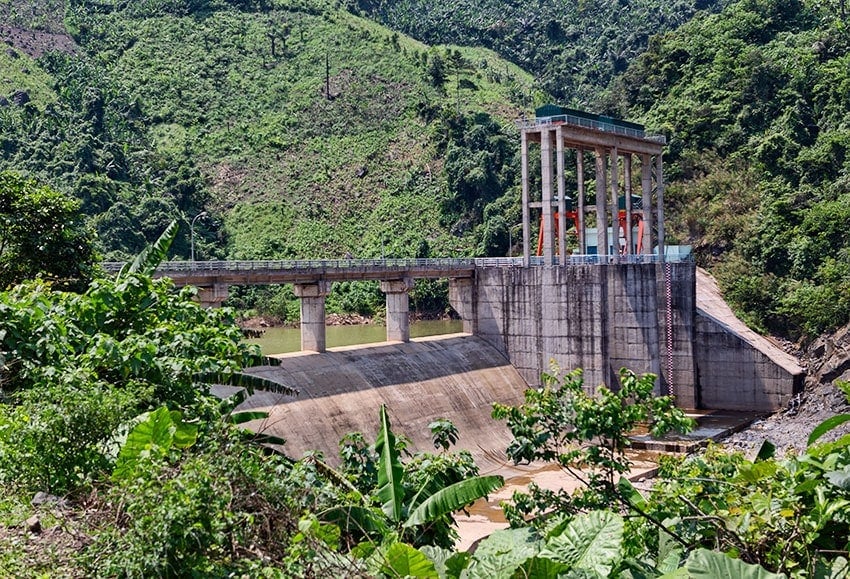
(401, 511)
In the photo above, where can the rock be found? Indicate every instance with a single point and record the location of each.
(11, 53)
(33, 524)
(20, 97)
(42, 498)
(4, 102)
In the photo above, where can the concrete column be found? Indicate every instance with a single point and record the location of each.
(582, 242)
(659, 196)
(601, 211)
(627, 177)
(462, 299)
(398, 308)
(615, 200)
(312, 296)
(562, 203)
(212, 297)
(526, 215)
(646, 201)
(546, 195)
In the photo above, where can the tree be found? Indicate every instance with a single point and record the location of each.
(585, 435)
(42, 235)
(415, 503)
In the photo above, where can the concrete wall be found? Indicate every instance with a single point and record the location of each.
(679, 345)
(737, 368)
(458, 377)
(595, 317)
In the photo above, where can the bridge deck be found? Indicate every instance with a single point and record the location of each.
(204, 273)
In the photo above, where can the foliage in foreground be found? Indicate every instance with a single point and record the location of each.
(106, 401)
(586, 435)
(787, 516)
(415, 501)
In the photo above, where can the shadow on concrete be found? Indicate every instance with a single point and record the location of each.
(458, 377)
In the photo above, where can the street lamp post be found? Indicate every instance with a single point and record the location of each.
(192, 233)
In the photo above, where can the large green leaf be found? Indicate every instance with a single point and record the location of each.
(826, 426)
(705, 564)
(631, 494)
(154, 435)
(449, 564)
(402, 560)
(354, 518)
(592, 541)
(247, 416)
(541, 568)
(502, 553)
(840, 478)
(390, 470)
(151, 256)
(453, 497)
(838, 568)
(247, 381)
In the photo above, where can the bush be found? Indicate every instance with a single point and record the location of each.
(54, 439)
(224, 509)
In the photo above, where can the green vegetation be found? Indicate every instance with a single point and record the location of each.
(254, 112)
(753, 102)
(586, 436)
(305, 130)
(41, 234)
(107, 407)
(573, 49)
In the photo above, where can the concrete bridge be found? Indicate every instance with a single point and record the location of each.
(595, 312)
(620, 303)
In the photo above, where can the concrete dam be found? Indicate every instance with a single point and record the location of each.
(617, 295)
(517, 321)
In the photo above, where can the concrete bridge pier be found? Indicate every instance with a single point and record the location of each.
(462, 299)
(312, 296)
(398, 308)
(212, 296)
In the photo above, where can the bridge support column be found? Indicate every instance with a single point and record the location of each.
(462, 299)
(212, 296)
(398, 308)
(312, 296)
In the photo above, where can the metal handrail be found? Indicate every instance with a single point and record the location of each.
(589, 124)
(395, 263)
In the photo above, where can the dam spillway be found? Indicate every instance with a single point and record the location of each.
(457, 376)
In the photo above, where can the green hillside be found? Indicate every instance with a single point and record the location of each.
(305, 130)
(171, 110)
(754, 102)
(573, 48)
(302, 130)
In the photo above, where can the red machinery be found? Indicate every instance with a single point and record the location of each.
(637, 220)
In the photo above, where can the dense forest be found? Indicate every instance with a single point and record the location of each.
(303, 129)
(312, 128)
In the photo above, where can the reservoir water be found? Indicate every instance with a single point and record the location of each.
(283, 340)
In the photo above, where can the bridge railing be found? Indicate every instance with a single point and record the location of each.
(394, 263)
(303, 264)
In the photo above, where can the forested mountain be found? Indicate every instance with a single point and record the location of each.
(755, 102)
(302, 128)
(573, 47)
(305, 129)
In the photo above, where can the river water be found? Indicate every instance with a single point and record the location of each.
(283, 340)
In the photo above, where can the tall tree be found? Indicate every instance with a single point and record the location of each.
(42, 235)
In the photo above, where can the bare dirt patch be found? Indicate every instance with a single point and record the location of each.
(36, 42)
